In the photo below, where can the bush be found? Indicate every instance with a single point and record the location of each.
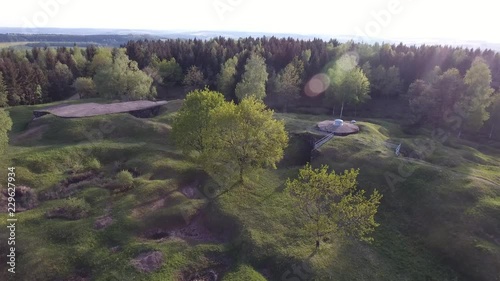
(94, 164)
(124, 179)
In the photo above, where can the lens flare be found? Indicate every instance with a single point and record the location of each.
(317, 85)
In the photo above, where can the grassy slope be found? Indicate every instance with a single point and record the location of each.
(423, 218)
(447, 201)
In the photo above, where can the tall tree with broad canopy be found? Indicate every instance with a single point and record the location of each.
(447, 90)
(246, 136)
(253, 80)
(123, 80)
(224, 136)
(193, 122)
(287, 83)
(226, 79)
(84, 87)
(170, 71)
(477, 96)
(333, 204)
(194, 78)
(348, 84)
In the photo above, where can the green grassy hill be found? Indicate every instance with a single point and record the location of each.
(439, 221)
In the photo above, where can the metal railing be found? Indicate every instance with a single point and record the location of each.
(323, 140)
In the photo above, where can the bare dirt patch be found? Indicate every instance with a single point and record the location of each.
(148, 262)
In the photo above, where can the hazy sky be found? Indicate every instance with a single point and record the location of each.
(472, 20)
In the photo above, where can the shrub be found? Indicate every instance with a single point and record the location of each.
(124, 179)
(94, 164)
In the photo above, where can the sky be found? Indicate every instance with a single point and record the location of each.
(390, 19)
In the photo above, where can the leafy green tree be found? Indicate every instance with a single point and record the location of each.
(348, 85)
(191, 125)
(477, 96)
(5, 127)
(377, 78)
(384, 82)
(433, 75)
(84, 87)
(393, 85)
(226, 79)
(62, 79)
(170, 71)
(3, 92)
(245, 136)
(421, 101)
(287, 85)
(332, 203)
(123, 80)
(253, 80)
(103, 59)
(79, 59)
(447, 90)
(494, 111)
(194, 78)
(367, 70)
(38, 94)
(433, 101)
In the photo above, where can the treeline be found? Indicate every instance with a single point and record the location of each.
(430, 82)
(107, 40)
(285, 72)
(44, 75)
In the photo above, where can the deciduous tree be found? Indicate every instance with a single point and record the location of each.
(123, 80)
(494, 111)
(194, 78)
(84, 87)
(333, 204)
(477, 96)
(348, 84)
(253, 80)
(192, 123)
(5, 126)
(287, 85)
(226, 79)
(3, 92)
(246, 136)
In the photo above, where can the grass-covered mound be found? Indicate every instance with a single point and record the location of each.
(92, 220)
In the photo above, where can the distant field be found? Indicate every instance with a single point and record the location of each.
(43, 44)
(13, 44)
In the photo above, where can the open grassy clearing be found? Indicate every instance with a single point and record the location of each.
(438, 222)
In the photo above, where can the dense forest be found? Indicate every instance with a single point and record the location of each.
(426, 83)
